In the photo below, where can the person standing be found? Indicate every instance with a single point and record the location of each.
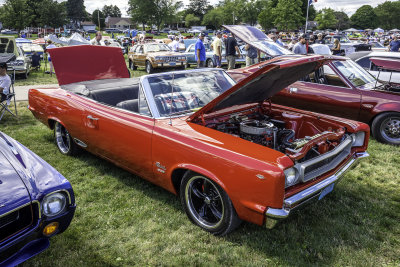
(50, 45)
(394, 45)
(174, 44)
(217, 48)
(5, 81)
(252, 56)
(300, 47)
(320, 40)
(232, 48)
(97, 39)
(336, 49)
(200, 51)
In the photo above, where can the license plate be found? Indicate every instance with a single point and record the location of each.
(172, 63)
(326, 191)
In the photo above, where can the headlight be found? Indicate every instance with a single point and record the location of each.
(291, 177)
(358, 139)
(54, 204)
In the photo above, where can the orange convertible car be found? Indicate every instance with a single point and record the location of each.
(222, 147)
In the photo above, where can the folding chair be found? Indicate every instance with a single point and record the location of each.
(6, 99)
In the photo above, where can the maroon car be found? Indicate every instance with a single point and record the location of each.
(341, 88)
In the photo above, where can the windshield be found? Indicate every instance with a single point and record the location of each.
(157, 47)
(177, 93)
(354, 73)
(271, 48)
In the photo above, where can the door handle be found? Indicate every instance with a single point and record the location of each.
(92, 118)
(293, 90)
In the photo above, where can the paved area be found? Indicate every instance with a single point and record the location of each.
(21, 92)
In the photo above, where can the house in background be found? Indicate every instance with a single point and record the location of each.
(88, 26)
(118, 23)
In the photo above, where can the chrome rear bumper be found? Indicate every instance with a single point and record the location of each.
(273, 216)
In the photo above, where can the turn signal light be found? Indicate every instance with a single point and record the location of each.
(50, 229)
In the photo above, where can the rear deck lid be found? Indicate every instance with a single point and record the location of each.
(88, 62)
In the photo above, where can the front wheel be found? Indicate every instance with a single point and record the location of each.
(64, 140)
(149, 67)
(207, 205)
(386, 128)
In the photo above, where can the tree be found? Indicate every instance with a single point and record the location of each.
(76, 11)
(191, 20)
(364, 18)
(251, 10)
(343, 21)
(52, 13)
(388, 15)
(213, 18)
(14, 14)
(141, 11)
(98, 15)
(288, 14)
(265, 18)
(111, 11)
(198, 8)
(326, 19)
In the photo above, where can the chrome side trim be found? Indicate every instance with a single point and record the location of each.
(80, 143)
(274, 215)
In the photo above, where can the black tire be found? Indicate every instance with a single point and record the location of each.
(207, 205)
(64, 141)
(149, 67)
(386, 128)
(209, 63)
(132, 66)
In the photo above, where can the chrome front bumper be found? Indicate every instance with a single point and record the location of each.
(273, 216)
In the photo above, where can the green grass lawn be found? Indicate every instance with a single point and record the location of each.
(122, 220)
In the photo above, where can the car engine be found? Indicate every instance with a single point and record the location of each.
(264, 130)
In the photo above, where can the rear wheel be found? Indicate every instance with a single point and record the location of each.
(64, 140)
(386, 128)
(207, 204)
(149, 67)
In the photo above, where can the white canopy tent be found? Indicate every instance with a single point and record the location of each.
(351, 30)
(379, 30)
(395, 30)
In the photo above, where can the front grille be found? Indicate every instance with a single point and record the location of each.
(170, 59)
(322, 164)
(15, 222)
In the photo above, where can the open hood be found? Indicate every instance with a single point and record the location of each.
(390, 64)
(258, 39)
(265, 82)
(88, 62)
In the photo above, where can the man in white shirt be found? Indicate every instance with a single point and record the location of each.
(50, 46)
(175, 44)
(217, 48)
(5, 81)
(97, 39)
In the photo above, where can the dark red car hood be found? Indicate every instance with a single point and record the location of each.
(260, 85)
(88, 62)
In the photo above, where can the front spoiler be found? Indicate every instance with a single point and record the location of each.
(273, 216)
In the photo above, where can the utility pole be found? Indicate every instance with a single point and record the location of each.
(98, 17)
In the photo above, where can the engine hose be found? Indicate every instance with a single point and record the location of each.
(289, 134)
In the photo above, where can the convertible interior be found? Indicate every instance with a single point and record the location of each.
(122, 93)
